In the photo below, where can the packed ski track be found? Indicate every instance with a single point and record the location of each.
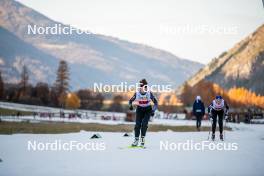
(118, 159)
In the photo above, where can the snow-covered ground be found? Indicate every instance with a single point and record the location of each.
(56, 111)
(86, 116)
(117, 160)
(37, 119)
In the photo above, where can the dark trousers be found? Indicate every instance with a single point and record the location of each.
(198, 120)
(142, 118)
(220, 115)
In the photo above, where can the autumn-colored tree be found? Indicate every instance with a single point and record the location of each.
(168, 99)
(243, 97)
(72, 101)
(202, 88)
(207, 90)
(236, 97)
(186, 95)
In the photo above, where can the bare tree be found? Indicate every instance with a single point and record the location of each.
(43, 92)
(90, 100)
(117, 104)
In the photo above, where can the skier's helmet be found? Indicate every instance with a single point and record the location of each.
(143, 82)
(143, 85)
(218, 97)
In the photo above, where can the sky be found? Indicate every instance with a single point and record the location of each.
(198, 30)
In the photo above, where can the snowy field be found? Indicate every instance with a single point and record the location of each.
(87, 116)
(118, 160)
(37, 119)
(40, 109)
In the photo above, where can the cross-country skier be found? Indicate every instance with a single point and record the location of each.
(218, 108)
(198, 111)
(143, 98)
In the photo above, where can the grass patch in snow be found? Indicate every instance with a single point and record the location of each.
(60, 127)
(12, 112)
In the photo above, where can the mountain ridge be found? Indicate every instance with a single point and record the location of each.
(106, 59)
(240, 66)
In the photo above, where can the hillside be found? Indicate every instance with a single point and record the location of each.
(92, 58)
(241, 66)
(15, 53)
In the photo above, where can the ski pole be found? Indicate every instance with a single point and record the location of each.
(224, 129)
(225, 118)
(210, 129)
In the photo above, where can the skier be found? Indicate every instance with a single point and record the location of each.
(198, 111)
(218, 108)
(144, 110)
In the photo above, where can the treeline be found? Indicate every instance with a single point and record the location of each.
(236, 97)
(56, 95)
(244, 97)
(59, 95)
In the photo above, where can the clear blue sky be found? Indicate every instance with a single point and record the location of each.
(172, 25)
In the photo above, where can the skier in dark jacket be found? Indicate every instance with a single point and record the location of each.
(218, 108)
(143, 98)
(198, 111)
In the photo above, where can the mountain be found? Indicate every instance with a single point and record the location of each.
(241, 66)
(15, 53)
(92, 57)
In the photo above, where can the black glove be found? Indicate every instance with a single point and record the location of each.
(152, 113)
(130, 107)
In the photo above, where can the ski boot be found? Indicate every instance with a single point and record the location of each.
(135, 143)
(213, 137)
(221, 137)
(142, 141)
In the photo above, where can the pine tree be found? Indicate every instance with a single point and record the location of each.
(24, 80)
(62, 81)
(1, 87)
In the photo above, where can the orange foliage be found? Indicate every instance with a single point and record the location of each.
(168, 99)
(207, 90)
(245, 97)
(236, 97)
(72, 101)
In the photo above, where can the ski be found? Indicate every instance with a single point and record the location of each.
(143, 147)
(133, 147)
(216, 140)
